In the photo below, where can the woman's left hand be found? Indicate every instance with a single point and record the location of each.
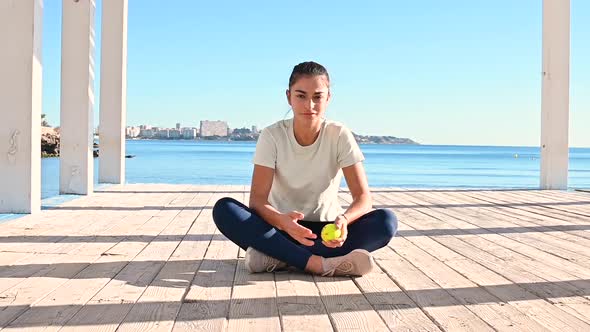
(342, 224)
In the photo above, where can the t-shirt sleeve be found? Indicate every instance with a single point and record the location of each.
(266, 150)
(349, 152)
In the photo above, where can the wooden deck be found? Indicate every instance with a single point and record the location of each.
(148, 257)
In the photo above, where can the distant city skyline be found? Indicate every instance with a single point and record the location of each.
(216, 128)
(186, 125)
(458, 72)
(183, 125)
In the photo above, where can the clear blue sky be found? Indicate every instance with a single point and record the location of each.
(439, 72)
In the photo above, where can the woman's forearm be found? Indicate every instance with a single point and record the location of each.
(267, 212)
(359, 206)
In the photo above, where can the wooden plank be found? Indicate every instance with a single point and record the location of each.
(567, 203)
(497, 313)
(553, 196)
(108, 308)
(435, 301)
(527, 253)
(555, 245)
(40, 221)
(348, 308)
(396, 309)
(575, 228)
(505, 264)
(253, 305)
(55, 309)
(486, 306)
(207, 302)
(39, 287)
(534, 200)
(567, 309)
(535, 251)
(18, 240)
(248, 310)
(158, 306)
(15, 300)
(299, 303)
(552, 226)
(56, 270)
(555, 201)
(81, 222)
(536, 205)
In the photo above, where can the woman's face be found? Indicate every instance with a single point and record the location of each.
(309, 97)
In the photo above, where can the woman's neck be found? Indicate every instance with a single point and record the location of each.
(306, 132)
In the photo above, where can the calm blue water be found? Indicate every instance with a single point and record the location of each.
(386, 165)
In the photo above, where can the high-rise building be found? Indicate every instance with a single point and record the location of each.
(132, 132)
(213, 128)
(189, 133)
(254, 130)
(164, 133)
(146, 133)
(175, 133)
(178, 126)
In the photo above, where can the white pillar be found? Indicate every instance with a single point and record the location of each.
(113, 92)
(555, 99)
(77, 97)
(20, 106)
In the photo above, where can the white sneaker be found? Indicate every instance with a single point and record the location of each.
(257, 261)
(356, 263)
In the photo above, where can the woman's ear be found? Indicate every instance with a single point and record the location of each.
(288, 93)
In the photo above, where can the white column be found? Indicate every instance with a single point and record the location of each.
(77, 97)
(113, 92)
(555, 99)
(20, 106)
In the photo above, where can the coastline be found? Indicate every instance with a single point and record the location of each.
(359, 139)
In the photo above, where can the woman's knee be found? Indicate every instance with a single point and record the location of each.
(222, 210)
(388, 222)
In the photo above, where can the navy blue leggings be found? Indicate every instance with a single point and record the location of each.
(245, 228)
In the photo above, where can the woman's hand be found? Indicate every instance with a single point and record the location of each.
(302, 234)
(342, 224)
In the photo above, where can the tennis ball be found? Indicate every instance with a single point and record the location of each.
(330, 232)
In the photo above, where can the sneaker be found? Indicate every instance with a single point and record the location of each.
(356, 263)
(257, 261)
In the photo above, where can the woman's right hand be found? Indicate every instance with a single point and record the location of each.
(302, 234)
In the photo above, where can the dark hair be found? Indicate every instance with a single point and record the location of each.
(308, 68)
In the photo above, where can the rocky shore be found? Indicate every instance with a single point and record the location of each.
(361, 139)
(49, 142)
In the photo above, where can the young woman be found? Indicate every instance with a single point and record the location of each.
(298, 168)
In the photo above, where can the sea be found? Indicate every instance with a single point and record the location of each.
(387, 165)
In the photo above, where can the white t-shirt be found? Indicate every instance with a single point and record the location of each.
(307, 178)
